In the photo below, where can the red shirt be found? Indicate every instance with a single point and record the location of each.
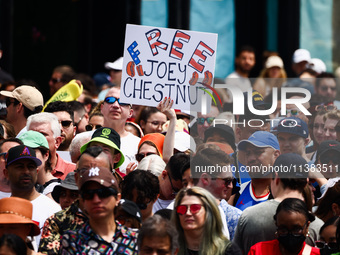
(62, 168)
(272, 247)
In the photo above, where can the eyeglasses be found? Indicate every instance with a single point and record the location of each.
(325, 159)
(66, 123)
(174, 191)
(322, 107)
(295, 232)
(325, 88)
(292, 112)
(80, 119)
(156, 123)
(227, 181)
(3, 154)
(112, 100)
(102, 193)
(91, 127)
(322, 244)
(194, 208)
(54, 80)
(9, 102)
(143, 206)
(200, 121)
(140, 156)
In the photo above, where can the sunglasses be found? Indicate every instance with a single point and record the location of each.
(102, 193)
(200, 121)
(320, 108)
(292, 112)
(194, 208)
(322, 244)
(325, 88)
(227, 181)
(66, 123)
(143, 206)
(327, 158)
(91, 127)
(54, 80)
(140, 156)
(112, 100)
(9, 102)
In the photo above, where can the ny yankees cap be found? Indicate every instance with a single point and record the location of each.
(21, 152)
(101, 175)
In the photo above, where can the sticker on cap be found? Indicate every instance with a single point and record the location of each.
(106, 132)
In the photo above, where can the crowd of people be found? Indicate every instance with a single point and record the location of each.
(99, 176)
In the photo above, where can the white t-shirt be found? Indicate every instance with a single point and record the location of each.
(129, 147)
(5, 194)
(43, 207)
(161, 204)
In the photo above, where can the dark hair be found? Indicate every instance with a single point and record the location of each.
(338, 235)
(9, 129)
(294, 183)
(145, 113)
(331, 196)
(165, 213)
(59, 106)
(206, 158)
(93, 151)
(160, 227)
(294, 205)
(28, 112)
(14, 242)
(185, 167)
(321, 76)
(332, 221)
(175, 163)
(146, 184)
(11, 139)
(243, 48)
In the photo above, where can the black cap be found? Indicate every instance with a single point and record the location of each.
(226, 131)
(291, 165)
(21, 152)
(131, 208)
(326, 146)
(68, 183)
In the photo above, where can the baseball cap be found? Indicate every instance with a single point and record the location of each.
(116, 65)
(109, 137)
(34, 139)
(27, 95)
(131, 208)
(261, 139)
(101, 175)
(16, 210)
(293, 125)
(301, 55)
(226, 131)
(317, 65)
(21, 152)
(274, 61)
(326, 146)
(184, 142)
(291, 165)
(68, 183)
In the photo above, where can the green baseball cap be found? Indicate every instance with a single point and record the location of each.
(109, 137)
(34, 139)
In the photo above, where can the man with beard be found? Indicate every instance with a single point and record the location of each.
(5, 145)
(22, 172)
(261, 150)
(66, 120)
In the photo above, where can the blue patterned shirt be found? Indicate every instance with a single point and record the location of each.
(85, 241)
(232, 215)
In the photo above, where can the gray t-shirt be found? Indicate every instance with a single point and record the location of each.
(257, 224)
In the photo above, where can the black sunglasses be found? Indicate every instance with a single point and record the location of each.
(66, 123)
(140, 156)
(90, 127)
(112, 100)
(102, 193)
(322, 244)
(9, 101)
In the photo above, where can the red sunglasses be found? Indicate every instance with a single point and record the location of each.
(194, 208)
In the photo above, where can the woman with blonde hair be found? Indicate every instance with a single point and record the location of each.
(273, 75)
(199, 225)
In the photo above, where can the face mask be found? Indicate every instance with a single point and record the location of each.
(292, 243)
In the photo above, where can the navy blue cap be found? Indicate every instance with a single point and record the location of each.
(293, 125)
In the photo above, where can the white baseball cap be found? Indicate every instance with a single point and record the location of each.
(301, 55)
(116, 65)
(274, 61)
(317, 65)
